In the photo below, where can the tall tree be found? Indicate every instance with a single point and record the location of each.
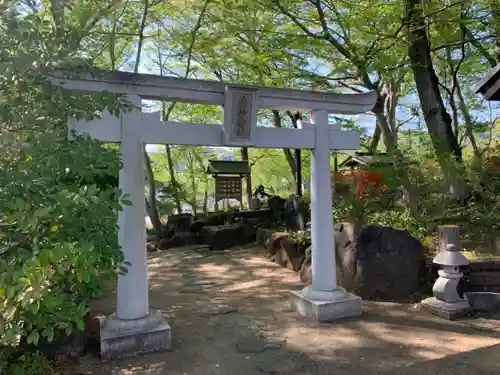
(438, 120)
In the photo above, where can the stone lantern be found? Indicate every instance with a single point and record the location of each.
(446, 301)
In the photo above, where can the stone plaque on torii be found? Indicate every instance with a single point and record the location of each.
(134, 328)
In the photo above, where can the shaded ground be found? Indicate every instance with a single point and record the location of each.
(229, 316)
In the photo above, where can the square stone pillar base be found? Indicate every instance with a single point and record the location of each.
(322, 310)
(447, 310)
(129, 338)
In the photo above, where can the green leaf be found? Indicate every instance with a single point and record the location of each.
(69, 329)
(33, 338)
(80, 324)
(48, 332)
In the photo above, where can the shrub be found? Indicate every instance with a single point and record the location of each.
(58, 234)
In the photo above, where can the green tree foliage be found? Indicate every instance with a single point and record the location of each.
(58, 197)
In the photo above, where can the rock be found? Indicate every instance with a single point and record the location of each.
(272, 243)
(288, 254)
(382, 263)
(262, 236)
(277, 206)
(342, 238)
(197, 226)
(305, 273)
(343, 235)
(255, 345)
(224, 236)
(182, 239)
(151, 247)
(295, 213)
(180, 222)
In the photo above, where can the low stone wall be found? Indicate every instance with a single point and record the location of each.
(219, 230)
(222, 237)
(479, 276)
(482, 276)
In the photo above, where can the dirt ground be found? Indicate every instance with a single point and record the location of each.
(229, 315)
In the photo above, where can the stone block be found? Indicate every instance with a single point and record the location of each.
(447, 310)
(129, 338)
(224, 236)
(347, 306)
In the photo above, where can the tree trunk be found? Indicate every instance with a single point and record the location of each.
(295, 118)
(298, 171)
(173, 179)
(385, 112)
(151, 206)
(375, 140)
(436, 117)
(469, 130)
(191, 168)
(288, 153)
(248, 177)
(205, 201)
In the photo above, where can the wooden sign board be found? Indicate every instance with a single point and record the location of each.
(228, 187)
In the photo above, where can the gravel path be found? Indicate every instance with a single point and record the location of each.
(229, 316)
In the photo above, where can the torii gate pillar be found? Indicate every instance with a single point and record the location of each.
(134, 328)
(323, 300)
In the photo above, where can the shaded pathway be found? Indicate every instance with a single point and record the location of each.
(229, 315)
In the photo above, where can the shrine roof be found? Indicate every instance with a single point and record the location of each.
(365, 159)
(489, 86)
(228, 167)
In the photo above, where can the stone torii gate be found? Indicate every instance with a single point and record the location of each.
(135, 328)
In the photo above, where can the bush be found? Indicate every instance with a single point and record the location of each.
(24, 363)
(58, 234)
(417, 199)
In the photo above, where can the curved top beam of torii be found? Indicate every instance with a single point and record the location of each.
(155, 87)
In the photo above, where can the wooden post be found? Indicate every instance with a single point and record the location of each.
(449, 235)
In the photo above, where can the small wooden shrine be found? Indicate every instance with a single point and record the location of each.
(354, 168)
(228, 175)
(365, 159)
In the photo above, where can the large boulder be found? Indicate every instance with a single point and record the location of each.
(381, 263)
